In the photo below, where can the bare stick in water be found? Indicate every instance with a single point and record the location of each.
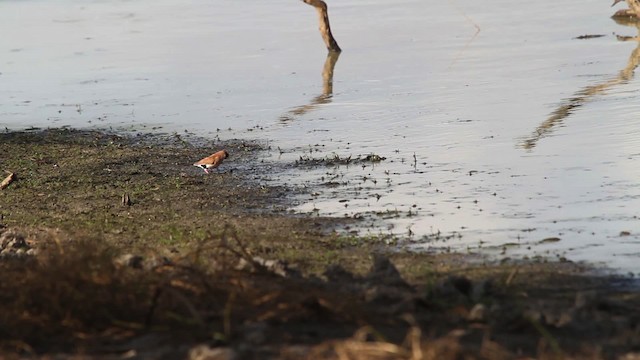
(325, 29)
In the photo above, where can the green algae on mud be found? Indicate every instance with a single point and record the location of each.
(75, 181)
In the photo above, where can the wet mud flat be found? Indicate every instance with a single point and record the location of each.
(116, 247)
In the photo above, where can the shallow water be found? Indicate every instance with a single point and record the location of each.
(520, 131)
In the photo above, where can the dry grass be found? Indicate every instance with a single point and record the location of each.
(84, 296)
(78, 294)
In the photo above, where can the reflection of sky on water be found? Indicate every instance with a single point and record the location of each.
(409, 81)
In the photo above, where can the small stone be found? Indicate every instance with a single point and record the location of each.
(206, 352)
(565, 318)
(478, 313)
(155, 262)
(549, 240)
(630, 356)
(533, 315)
(276, 267)
(17, 243)
(130, 260)
(11, 237)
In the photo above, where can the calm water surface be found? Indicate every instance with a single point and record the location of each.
(498, 139)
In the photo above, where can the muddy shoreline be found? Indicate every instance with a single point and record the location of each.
(218, 265)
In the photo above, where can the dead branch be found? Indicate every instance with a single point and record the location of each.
(633, 11)
(325, 29)
(8, 180)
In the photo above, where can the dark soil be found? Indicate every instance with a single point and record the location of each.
(116, 247)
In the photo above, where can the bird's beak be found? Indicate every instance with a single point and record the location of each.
(615, 2)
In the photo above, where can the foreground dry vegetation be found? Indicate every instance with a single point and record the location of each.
(211, 267)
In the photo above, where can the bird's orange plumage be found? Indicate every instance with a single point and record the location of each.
(212, 161)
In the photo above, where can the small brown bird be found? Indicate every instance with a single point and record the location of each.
(213, 161)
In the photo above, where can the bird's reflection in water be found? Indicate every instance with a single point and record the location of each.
(583, 96)
(327, 90)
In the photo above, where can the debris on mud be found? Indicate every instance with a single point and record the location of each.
(13, 244)
(335, 159)
(588, 36)
(218, 298)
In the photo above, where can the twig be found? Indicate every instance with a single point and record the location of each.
(511, 276)
(152, 307)
(197, 317)
(243, 253)
(8, 180)
(325, 29)
(413, 338)
(226, 315)
(555, 346)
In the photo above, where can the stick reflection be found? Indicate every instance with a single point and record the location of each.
(327, 90)
(567, 107)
